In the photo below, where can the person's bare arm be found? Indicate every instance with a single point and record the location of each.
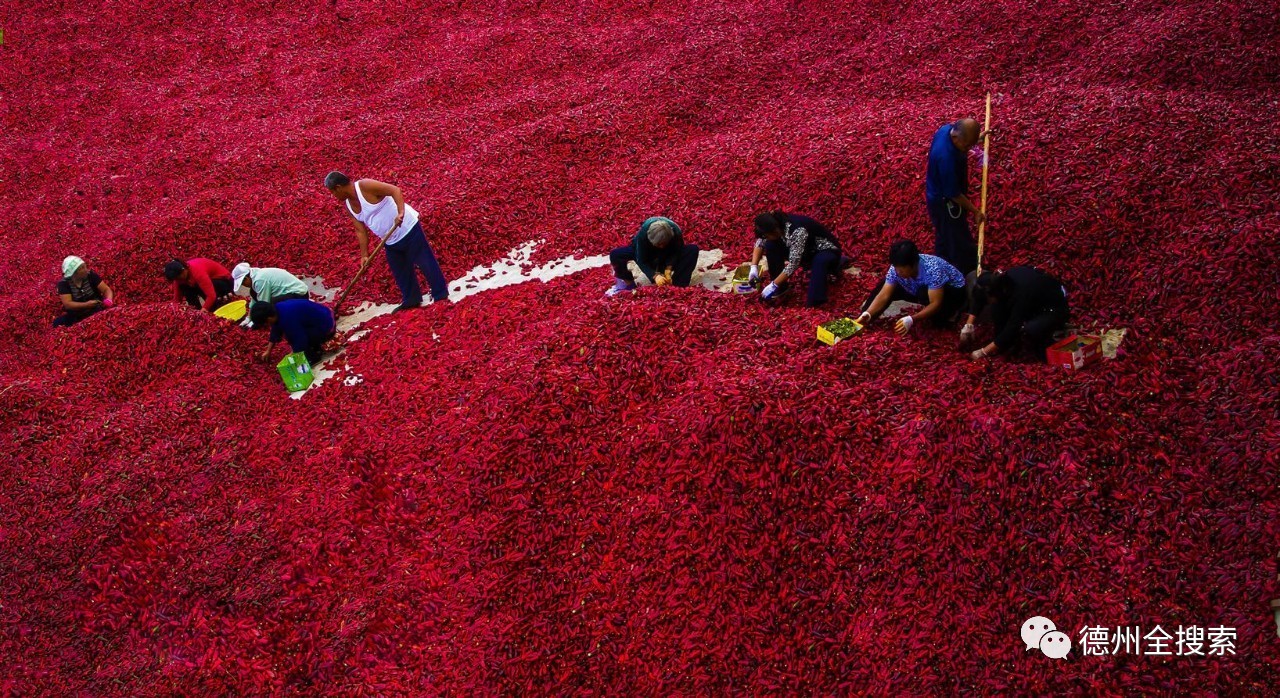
(935, 304)
(362, 235)
(105, 291)
(967, 205)
(881, 301)
(375, 191)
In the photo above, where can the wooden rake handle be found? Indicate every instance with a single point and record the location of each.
(363, 268)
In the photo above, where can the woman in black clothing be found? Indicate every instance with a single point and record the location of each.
(1025, 303)
(82, 291)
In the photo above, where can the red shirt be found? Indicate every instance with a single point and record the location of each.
(203, 272)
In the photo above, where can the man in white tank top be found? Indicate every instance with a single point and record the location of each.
(379, 208)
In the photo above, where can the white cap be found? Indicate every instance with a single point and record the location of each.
(70, 265)
(238, 273)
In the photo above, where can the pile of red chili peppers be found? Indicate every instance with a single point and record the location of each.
(538, 490)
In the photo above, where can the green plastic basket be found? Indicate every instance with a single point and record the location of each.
(295, 370)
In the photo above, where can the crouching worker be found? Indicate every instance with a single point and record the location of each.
(917, 278)
(202, 283)
(82, 291)
(1025, 302)
(660, 252)
(790, 242)
(306, 324)
(268, 284)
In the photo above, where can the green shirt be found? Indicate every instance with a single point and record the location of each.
(270, 283)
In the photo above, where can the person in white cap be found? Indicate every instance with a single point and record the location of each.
(82, 291)
(267, 284)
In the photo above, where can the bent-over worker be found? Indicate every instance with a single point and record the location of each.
(916, 278)
(268, 284)
(202, 283)
(1025, 302)
(659, 249)
(306, 324)
(791, 242)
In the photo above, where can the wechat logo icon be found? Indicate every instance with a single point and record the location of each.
(1040, 633)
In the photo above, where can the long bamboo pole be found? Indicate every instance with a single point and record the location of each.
(986, 160)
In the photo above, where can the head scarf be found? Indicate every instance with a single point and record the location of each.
(70, 265)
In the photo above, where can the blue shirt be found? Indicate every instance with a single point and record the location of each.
(934, 272)
(302, 322)
(948, 173)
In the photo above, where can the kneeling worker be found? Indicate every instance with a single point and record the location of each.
(660, 252)
(916, 278)
(268, 284)
(790, 242)
(1024, 301)
(305, 323)
(199, 278)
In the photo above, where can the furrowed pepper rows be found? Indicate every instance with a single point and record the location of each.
(537, 489)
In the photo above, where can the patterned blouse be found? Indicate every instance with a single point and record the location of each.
(795, 238)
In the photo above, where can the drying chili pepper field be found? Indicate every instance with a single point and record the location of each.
(535, 489)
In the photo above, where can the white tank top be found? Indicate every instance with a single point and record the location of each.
(379, 217)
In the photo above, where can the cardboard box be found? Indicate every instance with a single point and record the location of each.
(1075, 352)
(829, 334)
(295, 370)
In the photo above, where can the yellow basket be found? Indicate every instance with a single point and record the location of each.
(233, 311)
(741, 281)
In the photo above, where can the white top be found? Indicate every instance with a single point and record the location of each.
(379, 217)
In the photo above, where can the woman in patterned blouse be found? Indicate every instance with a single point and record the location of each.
(790, 242)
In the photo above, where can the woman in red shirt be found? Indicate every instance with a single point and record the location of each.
(202, 283)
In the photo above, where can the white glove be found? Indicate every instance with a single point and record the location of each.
(864, 319)
(979, 355)
(904, 324)
(967, 332)
(755, 273)
(769, 291)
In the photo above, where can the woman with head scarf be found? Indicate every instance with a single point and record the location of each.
(82, 291)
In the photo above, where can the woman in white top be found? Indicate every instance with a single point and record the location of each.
(379, 208)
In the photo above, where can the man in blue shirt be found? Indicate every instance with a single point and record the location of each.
(946, 193)
(305, 323)
(660, 252)
(917, 278)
